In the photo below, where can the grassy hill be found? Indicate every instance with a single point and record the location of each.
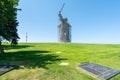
(41, 61)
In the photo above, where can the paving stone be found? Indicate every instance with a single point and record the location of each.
(99, 71)
(5, 68)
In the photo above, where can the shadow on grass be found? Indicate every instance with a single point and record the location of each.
(7, 47)
(30, 59)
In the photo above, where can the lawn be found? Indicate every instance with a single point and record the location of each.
(39, 61)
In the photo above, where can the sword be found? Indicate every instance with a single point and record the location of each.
(61, 8)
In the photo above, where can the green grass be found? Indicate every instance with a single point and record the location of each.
(39, 61)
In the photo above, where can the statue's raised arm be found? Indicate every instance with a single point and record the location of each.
(59, 14)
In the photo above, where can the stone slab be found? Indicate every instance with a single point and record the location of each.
(6, 68)
(64, 64)
(99, 71)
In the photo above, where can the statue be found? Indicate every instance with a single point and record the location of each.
(64, 28)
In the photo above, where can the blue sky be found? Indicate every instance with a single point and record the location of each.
(92, 21)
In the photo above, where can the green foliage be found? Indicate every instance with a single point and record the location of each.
(39, 61)
(8, 19)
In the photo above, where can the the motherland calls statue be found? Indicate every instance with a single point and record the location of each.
(64, 28)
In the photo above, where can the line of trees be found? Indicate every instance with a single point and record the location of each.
(8, 21)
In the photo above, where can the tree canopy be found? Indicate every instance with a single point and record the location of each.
(8, 20)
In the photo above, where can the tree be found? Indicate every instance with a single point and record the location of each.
(8, 20)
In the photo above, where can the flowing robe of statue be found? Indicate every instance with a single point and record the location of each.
(64, 29)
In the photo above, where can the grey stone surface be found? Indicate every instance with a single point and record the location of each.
(5, 68)
(99, 71)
